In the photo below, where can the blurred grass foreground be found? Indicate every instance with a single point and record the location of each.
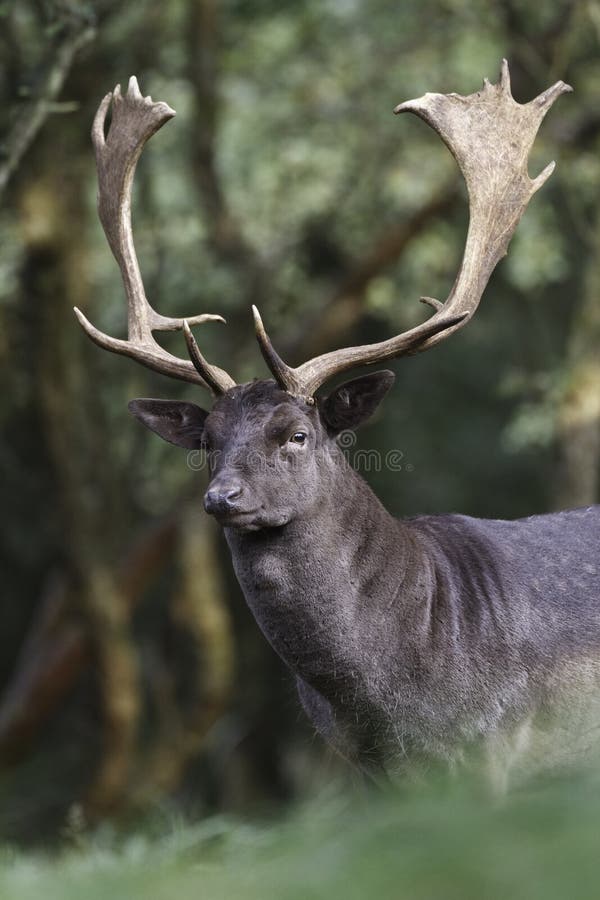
(428, 844)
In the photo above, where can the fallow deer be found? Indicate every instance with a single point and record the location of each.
(433, 639)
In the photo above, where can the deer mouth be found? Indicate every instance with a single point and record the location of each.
(241, 520)
(251, 520)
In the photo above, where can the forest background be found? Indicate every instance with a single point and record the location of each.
(133, 678)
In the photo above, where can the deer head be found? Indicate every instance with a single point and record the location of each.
(271, 445)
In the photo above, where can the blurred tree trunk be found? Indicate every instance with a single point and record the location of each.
(578, 414)
(190, 698)
(57, 649)
(231, 246)
(54, 280)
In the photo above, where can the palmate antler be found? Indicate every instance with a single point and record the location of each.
(490, 136)
(134, 120)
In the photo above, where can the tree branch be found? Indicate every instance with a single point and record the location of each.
(33, 116)
(340, 313)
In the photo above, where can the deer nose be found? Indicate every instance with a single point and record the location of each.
(222, 498)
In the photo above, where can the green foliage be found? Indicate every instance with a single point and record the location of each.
(440, 844)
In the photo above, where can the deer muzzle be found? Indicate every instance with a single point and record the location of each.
(223, 499)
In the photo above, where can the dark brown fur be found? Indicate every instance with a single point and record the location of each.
(437, 638)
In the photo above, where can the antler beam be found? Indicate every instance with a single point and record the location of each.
(490, 135)
(134, 120)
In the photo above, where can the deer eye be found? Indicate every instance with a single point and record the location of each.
(299, 437)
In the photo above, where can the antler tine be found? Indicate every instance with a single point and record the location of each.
(134, 120)
(307, 378)
(217, 380)
(490, 136)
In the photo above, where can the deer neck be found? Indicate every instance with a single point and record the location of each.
(327, 587)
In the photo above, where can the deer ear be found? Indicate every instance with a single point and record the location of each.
(176, 422)
(353, 402)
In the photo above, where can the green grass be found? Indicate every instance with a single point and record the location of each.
(434, 845)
